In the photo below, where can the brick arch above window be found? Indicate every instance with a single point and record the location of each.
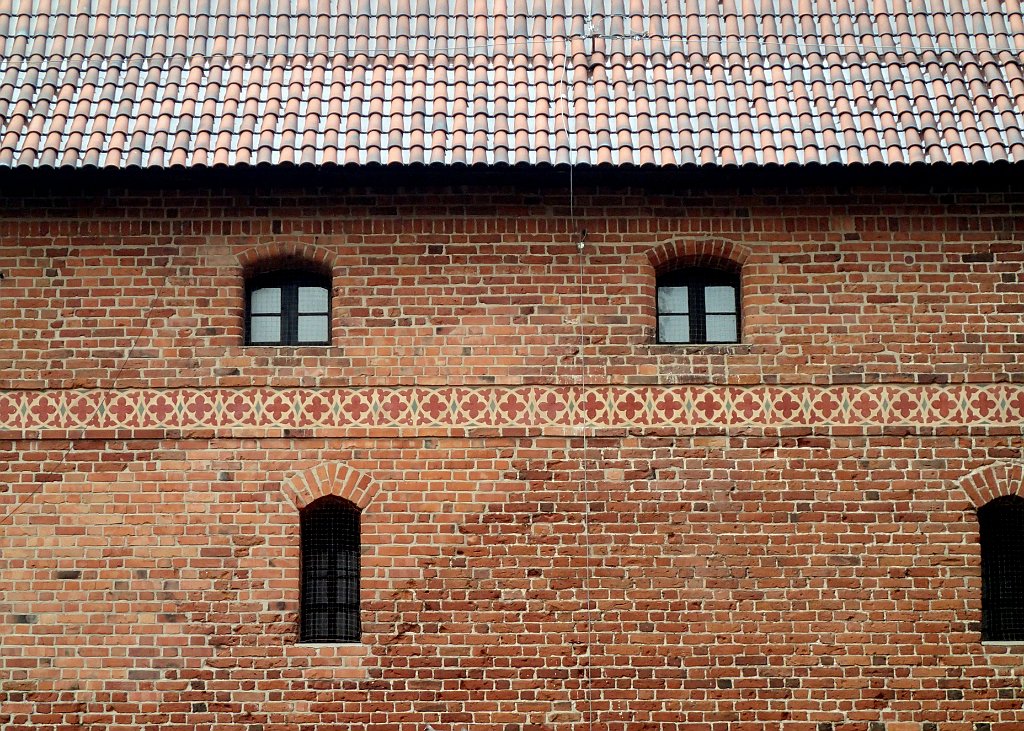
(696, 297)
(340, 480)
(992, 481)
(705, 252)
(289, 254)
(290, 312)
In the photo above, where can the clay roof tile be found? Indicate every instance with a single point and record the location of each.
(648, 82)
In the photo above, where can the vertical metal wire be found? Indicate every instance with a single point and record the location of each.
(579, 237)
(586, 498)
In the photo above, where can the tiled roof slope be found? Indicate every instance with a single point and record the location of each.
(162, 83)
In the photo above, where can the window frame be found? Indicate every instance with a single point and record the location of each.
(322, 509)
(1002, 568)
(288, 281)
(697, 279)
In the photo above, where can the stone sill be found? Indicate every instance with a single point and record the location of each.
(341, 649)
(700, 348)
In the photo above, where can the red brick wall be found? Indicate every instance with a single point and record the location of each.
(483, 286)
(788, 569)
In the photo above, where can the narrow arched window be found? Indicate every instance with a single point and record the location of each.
(1001, 525)
(330, 571)
(699, 305)
(288, 308)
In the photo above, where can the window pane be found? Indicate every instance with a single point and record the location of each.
(720, 299)
(317, 624)
(348, 626)
(266, 301)
(348, 592)
(312, 328)
(721, 329)
(265, 329)
(673, 299)
(348, 563)
(674, 329)
(312, 299)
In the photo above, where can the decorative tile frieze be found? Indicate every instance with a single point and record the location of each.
(513, 406)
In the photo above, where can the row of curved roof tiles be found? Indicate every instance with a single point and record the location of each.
(90, 82)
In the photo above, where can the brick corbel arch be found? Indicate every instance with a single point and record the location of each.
(273, 253)
(340, 480)
(993, 480)
(696, 252)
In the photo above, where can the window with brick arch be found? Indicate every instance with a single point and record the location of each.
(288, 308)
(329, 610)
(1001, 525)
(698, 305)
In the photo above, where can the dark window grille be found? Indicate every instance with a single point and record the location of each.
(698, 305)
(330, 571)
(288, 308)
(1001, 524)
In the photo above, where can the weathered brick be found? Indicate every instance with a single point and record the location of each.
(750, 576)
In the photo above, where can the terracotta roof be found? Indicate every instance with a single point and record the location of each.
(160, 83)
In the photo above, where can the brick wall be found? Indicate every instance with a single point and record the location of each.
(776, 534)
(463, 286)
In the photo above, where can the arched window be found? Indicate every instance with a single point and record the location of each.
(1001, 524)
(288, 308)
(330, 571)
(699, 305)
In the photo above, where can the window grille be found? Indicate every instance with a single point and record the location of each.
(330, 571)
(698, 305)
(1001, 524)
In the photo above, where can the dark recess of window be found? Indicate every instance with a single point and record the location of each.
(288, 308)
(329, 609)
(698, 305)
(1001, 526)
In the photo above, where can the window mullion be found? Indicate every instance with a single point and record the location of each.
(290, 310)
(698, 328)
